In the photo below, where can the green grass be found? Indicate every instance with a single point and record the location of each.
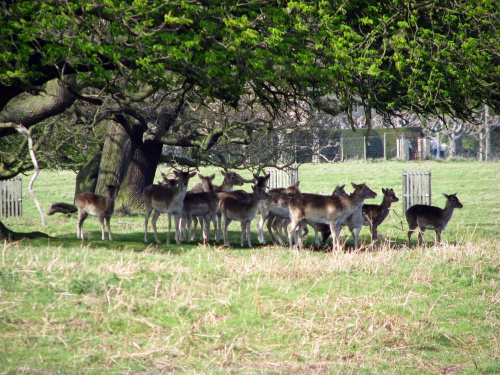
(70, 306)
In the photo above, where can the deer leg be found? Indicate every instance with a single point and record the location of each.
(168, 231)
(260, 226)
(226, 224)
(148, 212)
(156, 214)
(194, 221)
(438, 236)
(410, 232)
(243, 233)
(108, 222)
(355, 235)
(177, 231)
(81, 218)
(421, 236)
(247, 225)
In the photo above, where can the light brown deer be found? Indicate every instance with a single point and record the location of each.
(324, 229)
(206, 181)
(241, 210)
(275, 212)
(95, 205)
(331, 210)
(166, 199)
(201, 206)
(231, 179)
(431, 217)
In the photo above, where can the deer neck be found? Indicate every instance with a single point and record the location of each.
(226, 186)
(353, 201)
(447, 212)
(386, 203)
(110, 203)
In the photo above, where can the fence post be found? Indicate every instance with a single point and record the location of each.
(364, 148)
(385, 147)
(416, 188)
(341, 149)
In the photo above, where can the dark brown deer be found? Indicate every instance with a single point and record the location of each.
(322, 209)
(431, 217)
(375, 214)
(95, 205)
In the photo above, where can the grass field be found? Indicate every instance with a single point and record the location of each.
(68, 306)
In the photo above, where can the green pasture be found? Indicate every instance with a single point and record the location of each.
(90, 307)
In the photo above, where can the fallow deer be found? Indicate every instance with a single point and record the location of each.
(231, 179)
(166, 199)
(95, 205)
(243, 211)
(275, 212)
(330, 210)
(375, 214)
(431, 217)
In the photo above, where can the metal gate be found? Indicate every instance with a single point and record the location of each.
(282, 177)
(11, 197)
(416, 188)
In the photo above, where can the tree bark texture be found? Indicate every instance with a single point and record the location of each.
(86, 179)
(115, 158)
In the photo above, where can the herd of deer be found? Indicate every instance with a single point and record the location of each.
(282, 208)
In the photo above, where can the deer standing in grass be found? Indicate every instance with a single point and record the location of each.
(275, 212)
(431, 217)
(95, 205)
(167, 199)
(231, 179)
(331, 210)
(244, 211)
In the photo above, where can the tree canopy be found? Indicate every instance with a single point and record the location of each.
(424, 56)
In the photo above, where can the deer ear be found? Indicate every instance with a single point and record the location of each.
(267, 176)
(212, 176)
(255, 175)
(354, 185)
(297, 183)
(200, 176)
(223, 173)
(191, 175)
(446, 196)
(384, 191)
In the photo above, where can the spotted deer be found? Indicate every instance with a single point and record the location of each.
(431, 217)
(96, 205)
(275, 212)
(331, 210)
(234, 209)
(166, 199)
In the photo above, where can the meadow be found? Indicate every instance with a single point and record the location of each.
(92, 307)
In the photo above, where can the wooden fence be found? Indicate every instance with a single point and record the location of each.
(282, 177)
(11, 198)
(416, 188)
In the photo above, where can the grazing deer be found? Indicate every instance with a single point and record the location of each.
(243, 211)
(431, 217)
(95, 205)
(330, 210)
(275, 212)
(169, 199)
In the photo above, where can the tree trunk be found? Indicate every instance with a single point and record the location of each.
(140, 173)
(115, 158)
(86, 180)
